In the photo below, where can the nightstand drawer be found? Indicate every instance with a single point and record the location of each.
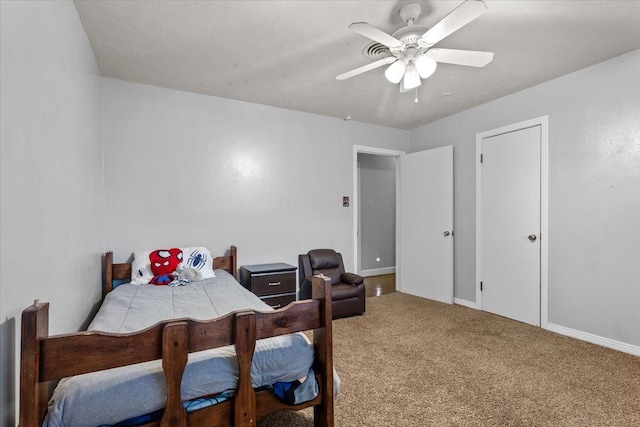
(280, 301)
(273, 283)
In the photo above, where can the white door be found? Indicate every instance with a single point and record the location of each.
(426, 224)
(511, 224)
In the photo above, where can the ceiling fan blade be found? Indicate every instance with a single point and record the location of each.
(458, 18)
(365, 68)
(470, 58)
(375, 34)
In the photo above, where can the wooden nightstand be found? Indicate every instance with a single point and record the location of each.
(275, 284)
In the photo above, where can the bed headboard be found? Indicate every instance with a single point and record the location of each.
(113, 272)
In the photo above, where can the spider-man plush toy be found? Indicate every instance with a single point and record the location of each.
(164, 263)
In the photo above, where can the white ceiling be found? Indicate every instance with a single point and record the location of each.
(287, 53)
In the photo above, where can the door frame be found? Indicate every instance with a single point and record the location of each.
(543, 122)
(363, 149)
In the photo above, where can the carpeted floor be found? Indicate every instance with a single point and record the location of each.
(414, 362)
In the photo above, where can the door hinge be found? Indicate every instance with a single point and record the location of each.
(480, 286)
(481, 157)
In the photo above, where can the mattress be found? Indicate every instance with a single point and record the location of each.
(113, 395)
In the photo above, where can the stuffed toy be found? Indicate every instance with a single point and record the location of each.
(164, 263)
(186, 274)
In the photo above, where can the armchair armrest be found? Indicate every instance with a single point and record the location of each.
(351, 278)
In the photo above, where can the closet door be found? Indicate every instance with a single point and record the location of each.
(511, 198)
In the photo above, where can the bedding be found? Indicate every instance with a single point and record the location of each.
(189, 406)
(110, 396)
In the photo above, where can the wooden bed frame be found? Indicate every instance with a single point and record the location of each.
(45, 359)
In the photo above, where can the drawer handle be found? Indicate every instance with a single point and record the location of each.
(274, 283)
(276, 306)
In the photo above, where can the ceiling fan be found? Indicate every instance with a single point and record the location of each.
(411, 56)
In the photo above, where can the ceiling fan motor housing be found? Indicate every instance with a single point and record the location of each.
(409, 37)
(410, 12)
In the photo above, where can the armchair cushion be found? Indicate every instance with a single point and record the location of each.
(322, 259)
(351, 278)
(327, 262)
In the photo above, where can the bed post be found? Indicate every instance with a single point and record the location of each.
(245, 342)
(33, 394)
(323, 343)
(108, 274)
(175, 352)
(234, 261)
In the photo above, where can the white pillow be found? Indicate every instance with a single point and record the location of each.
(197, 257)
(141, 268)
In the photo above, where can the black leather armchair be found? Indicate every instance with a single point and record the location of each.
(347, 289)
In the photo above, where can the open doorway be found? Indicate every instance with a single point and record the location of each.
(376, 214)
(375, 222)
(424, 220)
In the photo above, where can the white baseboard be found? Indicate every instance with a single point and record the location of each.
(378, 271)
(573, 333)
(466, 303)
(595, 339)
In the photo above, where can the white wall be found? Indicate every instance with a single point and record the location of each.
(185, 169)
(52, 193)
(377, 204)
(594, 192)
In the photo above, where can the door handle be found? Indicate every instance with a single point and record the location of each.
(532, 237)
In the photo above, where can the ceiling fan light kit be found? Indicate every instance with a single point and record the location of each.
(411, 77)
(395, 71)
(409, 50)
(425, 66)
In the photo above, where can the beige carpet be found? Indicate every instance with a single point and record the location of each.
(414, 362)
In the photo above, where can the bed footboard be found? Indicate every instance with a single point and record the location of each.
(45, 358)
